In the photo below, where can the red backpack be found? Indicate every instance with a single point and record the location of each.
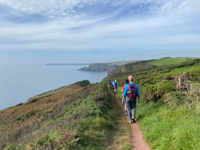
(132, 91)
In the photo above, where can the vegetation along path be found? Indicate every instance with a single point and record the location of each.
(138, 142)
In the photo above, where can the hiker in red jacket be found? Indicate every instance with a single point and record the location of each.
(124, 101)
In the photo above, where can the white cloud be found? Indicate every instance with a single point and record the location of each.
(156, 24)
(52, 8)
(57, 8)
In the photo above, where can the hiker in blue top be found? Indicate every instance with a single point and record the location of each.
(131, 92)
(111, 82)
(115, 86)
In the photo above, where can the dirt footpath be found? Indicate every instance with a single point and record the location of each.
(138, 141)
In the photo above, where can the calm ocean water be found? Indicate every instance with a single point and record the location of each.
(20, 82)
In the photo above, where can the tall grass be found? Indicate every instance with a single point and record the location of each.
(165, 128)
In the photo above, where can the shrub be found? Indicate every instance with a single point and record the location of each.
(194, 73)
(50, 122)
(174, 99)
(149, 92)
(84, 83)
(187, 63)
(33, 100)
(164, 88)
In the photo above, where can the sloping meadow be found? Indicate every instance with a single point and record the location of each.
(84, 121)
(169, 114)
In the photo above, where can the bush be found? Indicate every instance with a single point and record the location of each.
(84, 83)
(149, 92)
(174, 99)
(194, 73)
(187, 63)
(50, 122)
(164, 88)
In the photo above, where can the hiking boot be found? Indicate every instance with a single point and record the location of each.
(130, 121)
(134, 120)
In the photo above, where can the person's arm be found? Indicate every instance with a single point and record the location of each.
(139, 100)
(138, 93)
(125, 91)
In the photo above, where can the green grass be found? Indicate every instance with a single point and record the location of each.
(167, 61)
(185, 69)
(62, 89)
(121, 63)
(164, 128)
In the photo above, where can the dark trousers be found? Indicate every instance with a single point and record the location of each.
(131, 107)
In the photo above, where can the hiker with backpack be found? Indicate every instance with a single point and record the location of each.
(131, 92)
(124, 100)
(115, 86)
(110, 82)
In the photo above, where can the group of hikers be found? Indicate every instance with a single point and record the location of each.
(130, 92)
(114, 84)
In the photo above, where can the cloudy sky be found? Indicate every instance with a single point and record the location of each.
(64, 31)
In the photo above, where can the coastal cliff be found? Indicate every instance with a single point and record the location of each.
(99, 67)
(105, 66)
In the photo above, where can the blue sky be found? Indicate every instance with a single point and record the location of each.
(64, 31)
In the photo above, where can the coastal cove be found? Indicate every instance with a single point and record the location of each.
(20, 82)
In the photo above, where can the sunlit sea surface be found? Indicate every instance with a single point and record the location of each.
(20, 82)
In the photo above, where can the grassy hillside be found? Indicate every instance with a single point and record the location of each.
(78, 116)
(169, 114)
(120, 63)
(168, 61)
(145, 65)
(37, 107)
(104, 66)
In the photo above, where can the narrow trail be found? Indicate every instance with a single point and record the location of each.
(138, 141)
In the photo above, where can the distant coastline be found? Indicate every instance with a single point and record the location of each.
(108, 67)
(73, 64)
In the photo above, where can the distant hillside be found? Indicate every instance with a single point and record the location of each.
(145, 65)
(105, 66)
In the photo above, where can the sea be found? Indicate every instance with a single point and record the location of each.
(20, 82)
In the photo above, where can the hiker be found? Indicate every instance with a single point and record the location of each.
(110, 82)
(124, 101)
(115, 86)
(131, 92)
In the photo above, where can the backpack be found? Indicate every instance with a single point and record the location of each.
(115, 84)
(132, 91)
